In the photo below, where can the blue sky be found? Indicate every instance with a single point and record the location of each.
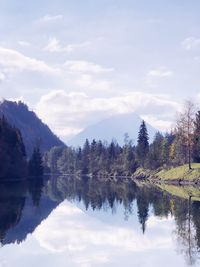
(88, 60)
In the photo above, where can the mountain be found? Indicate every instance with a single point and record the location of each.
(113, 128)
(12, 152)
(34, 131)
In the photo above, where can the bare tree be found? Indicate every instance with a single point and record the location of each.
(185, 128)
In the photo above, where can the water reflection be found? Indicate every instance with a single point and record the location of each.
(22, 208)
(108, 219)
(12, 201)
(35, 187)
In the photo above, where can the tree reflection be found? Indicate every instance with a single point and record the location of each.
(100, 195)
(186, 230)
(36, 185)
(106, 195)
(143, 210)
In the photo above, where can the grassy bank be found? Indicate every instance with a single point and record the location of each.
(177, 175)
(181, 191)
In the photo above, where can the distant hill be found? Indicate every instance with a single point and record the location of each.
(113, 128)
(34, 131)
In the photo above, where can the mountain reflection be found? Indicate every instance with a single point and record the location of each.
(12, 201)
(25, 204)
(22, 208)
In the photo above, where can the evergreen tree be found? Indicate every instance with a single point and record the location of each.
(156, 152)
(85, 157)
(167, 143)
(142, 144)
(78, 160)
(128, 158)
(112, 151)
(12, 151)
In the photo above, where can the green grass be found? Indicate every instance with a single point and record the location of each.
(167, 176)
(181, 191)
(181, 172)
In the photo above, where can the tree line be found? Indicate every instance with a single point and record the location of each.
(179, 146)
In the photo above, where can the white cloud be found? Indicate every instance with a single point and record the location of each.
(17, 99)
(14, 60)
(155, 76)
(85, 66)
(89, 82)
(160, 73)
(2, 77)
(24, 43)
(55, 46)
(161, 124)
(89, 76)
(72, 112)
(191, 43)
(51, 18)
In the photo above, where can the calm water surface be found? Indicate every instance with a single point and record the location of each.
(71, 222)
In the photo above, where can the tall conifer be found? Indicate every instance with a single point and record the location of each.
(142, 144)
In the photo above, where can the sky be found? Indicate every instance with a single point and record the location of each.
(78, 62)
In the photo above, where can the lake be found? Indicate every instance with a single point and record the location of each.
(65, 221)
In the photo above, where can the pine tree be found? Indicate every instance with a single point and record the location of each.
(142, 144)
(156, 152)
(85, 157)
(93, 157)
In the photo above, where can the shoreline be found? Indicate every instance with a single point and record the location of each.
(180, 176)
(173, 176)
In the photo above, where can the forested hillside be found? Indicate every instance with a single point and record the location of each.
(33, 130)
(12, 152)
